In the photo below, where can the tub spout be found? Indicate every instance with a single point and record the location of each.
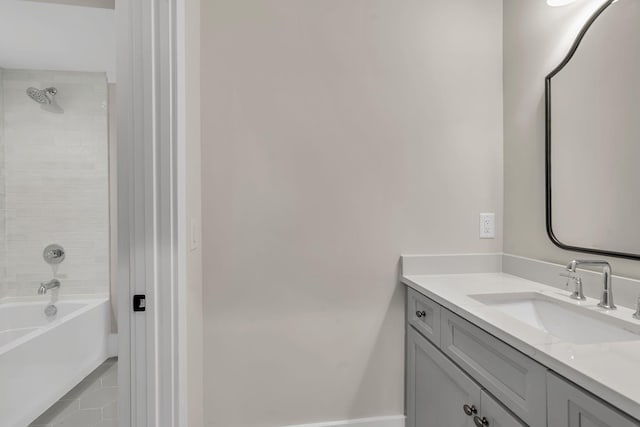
(52, 284)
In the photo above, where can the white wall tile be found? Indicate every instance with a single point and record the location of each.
(54, 186)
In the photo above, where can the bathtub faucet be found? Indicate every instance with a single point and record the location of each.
(52, 284)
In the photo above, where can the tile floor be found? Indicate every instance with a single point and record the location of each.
(92, 403)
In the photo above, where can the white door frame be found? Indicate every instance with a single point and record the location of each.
(151, 212)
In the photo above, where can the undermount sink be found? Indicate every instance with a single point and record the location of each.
(564, 320)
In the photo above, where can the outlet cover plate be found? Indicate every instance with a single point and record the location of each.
(487, 226)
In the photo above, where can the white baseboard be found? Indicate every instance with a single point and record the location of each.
(393, 421)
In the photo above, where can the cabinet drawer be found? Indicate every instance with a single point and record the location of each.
(516, 380)
(570, 406)
(424, 315)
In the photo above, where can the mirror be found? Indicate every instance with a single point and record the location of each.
(593, 137)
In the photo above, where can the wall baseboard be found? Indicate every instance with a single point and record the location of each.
(393, 421)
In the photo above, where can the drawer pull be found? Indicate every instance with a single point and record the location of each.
(420, 314)
(470, 410)
(480, 422)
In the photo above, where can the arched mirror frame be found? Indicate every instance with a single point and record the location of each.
(548, 159)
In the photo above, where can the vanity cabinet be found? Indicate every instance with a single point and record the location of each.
(437, 390)
(570, 406)
(441, 394)
(495, 415)
(424, 315)
(517, 380)
(458, 375)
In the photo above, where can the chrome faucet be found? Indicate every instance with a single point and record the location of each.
(577, 294)
(606, 301)
(52, 284)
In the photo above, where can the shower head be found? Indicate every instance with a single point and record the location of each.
(42, 96)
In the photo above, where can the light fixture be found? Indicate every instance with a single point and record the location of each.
(555, 3)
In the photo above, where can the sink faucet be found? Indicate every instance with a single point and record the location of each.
(52, 284)
(607, 294)
(577, 294)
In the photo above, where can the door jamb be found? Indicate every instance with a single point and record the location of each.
(151, 212)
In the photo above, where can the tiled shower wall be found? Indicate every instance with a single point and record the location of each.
(56, 182)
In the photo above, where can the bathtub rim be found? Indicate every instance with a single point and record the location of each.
(90, 302)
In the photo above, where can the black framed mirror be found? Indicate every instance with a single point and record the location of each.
(593, 137)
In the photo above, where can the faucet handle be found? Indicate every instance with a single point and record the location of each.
(570, 276)
(578, 293)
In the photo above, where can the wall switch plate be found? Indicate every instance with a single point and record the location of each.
(487, 226)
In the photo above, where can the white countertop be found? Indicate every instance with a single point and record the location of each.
(610, 371)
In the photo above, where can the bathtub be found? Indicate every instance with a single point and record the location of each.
(42, 358)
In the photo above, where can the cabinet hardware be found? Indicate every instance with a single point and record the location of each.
(470, 410)
(480, 422)
(421, 314)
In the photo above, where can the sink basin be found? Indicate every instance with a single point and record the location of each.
(564, 320)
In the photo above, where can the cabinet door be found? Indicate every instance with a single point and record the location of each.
(569, 406)
(437, 390)
(495, 414)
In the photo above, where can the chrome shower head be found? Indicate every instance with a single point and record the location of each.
(42, 96)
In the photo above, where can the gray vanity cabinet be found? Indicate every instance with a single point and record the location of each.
(458, 375)
(515, 379)
(569, 406)
(437, 390)
(424, 315)
(439, 394)
(496, 415)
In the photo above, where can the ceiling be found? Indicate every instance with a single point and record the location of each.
(49, 35)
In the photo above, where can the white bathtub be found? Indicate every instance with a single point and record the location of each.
(41, 359)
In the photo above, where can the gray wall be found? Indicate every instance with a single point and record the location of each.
(193, 183)
(536, 39)
(336, 135)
